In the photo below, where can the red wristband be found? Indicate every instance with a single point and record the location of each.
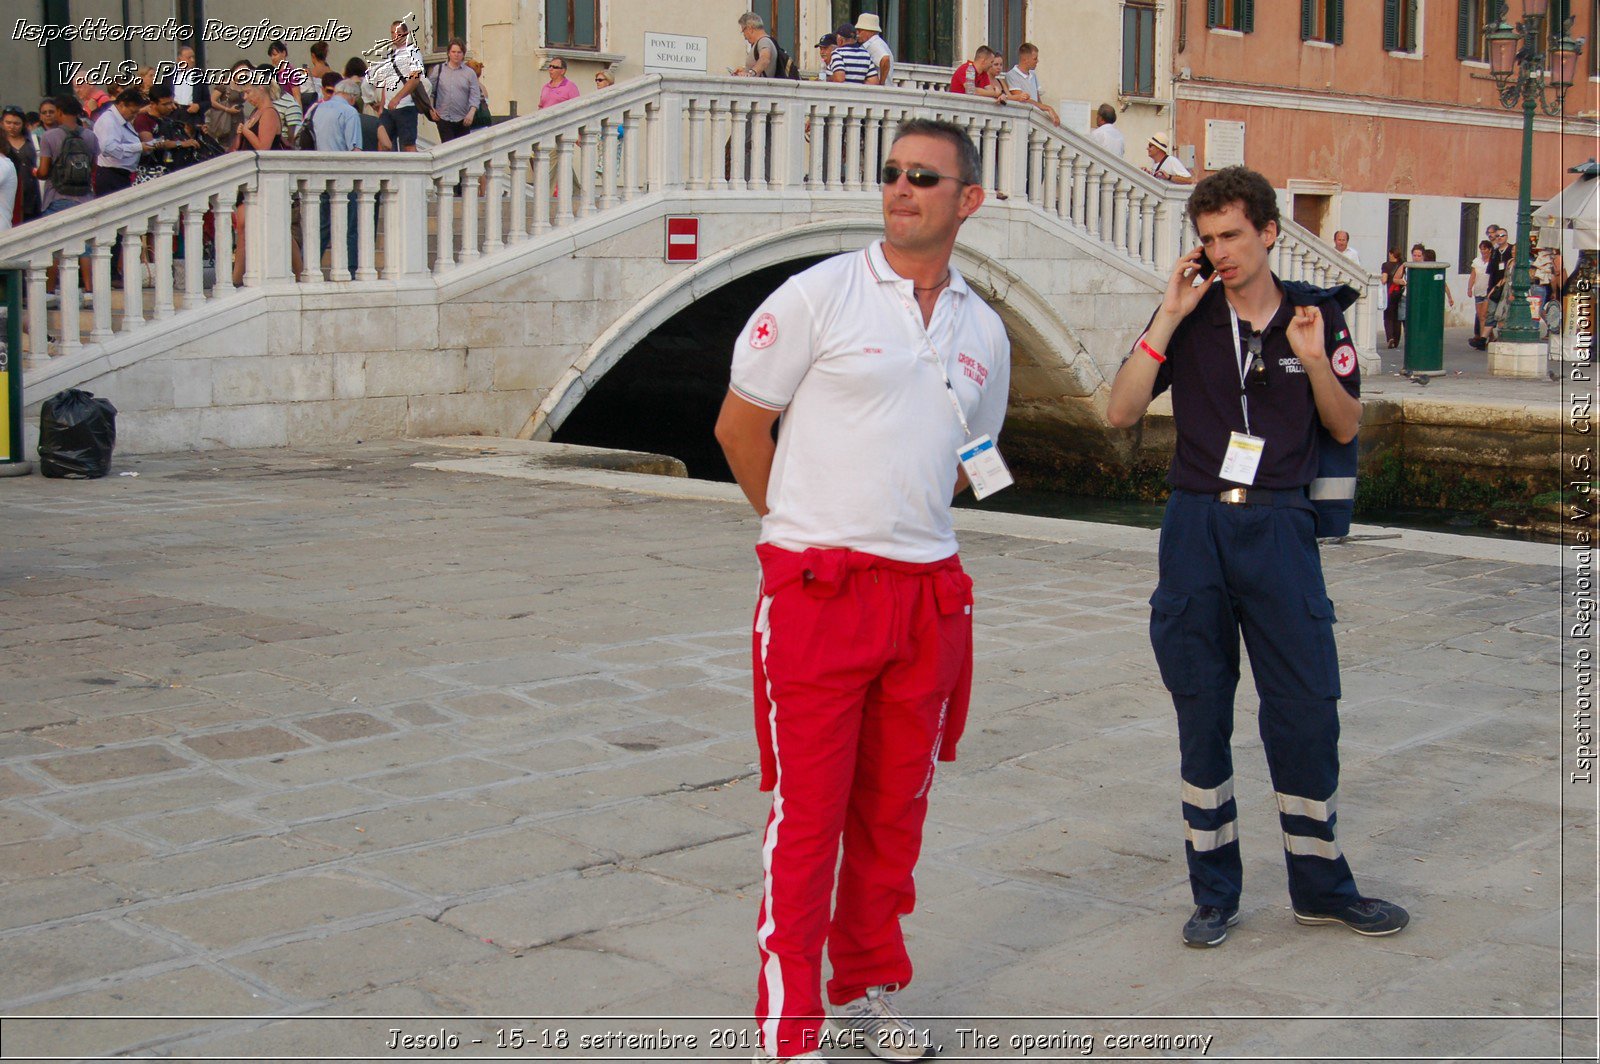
(1152, 352)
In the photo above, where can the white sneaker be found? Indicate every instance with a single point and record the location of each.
(884, 1028)
(763, 1057)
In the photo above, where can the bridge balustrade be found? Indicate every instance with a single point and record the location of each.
(422, 219)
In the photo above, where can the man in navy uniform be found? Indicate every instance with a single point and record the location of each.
(1258, 370)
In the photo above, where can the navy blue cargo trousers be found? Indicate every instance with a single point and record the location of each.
(1225, 569)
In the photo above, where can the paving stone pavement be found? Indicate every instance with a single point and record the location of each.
(294, 742)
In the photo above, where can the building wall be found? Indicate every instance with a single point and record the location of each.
(1360, 125)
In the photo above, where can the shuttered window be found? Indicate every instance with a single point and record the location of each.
(1472, 19)
(1231, 15)
(1322, 20)
(1138, 49)
(1399, 25)
(572, 23)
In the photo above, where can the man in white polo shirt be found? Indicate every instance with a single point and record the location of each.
(884, 365)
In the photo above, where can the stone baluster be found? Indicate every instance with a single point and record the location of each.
(1080, 190)
(339, 225)
(255, 234)
(871, 146)
(222, 243)
(697, 145)
(469, 212)
(367, 230)
(539, 157)
(100, 280)
(833, 169)
(517, 195)
(762, 133)
(161, 254)
(309, 192)
(444, 209)
(1036, 171)
(564, 189)
(855, 132)
(67, 310)
(631, 146)
(738, 157)
(132, 277)
(816, 148)
(1147, 242)
(1093, 180)
(493, 210)
(588, 161)
(39, 307)
(610, 161)
(1127, 228)
(194, 236)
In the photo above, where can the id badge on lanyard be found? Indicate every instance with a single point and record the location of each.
(1243, 458)
(979, 456)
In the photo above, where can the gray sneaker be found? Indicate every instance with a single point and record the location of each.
(884, 1028)
(1373, 917)
(1209, 926)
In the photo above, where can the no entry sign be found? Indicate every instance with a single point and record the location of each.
(683, 239)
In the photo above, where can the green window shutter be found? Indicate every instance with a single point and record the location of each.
(1391, 25)
(1214, 13)
(1408, 39)
(1247, 15)
(1308, 15)
(1464, 16)
(1336, 16)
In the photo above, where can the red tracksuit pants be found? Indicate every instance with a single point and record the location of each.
(862, 672)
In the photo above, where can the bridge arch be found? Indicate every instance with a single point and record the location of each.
(1050, 361)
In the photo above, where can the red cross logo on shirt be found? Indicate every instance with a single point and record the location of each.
(764, 331)
(1344, 360)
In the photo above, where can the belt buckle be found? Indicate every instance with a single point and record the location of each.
(1236, 496)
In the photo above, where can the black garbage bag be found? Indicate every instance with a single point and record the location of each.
(77, 433)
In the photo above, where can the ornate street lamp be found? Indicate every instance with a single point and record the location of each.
(1523, 73)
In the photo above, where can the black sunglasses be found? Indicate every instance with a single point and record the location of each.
(919, 177)
(1258, 364)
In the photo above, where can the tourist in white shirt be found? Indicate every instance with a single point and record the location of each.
(869, 35)
(1022, 84)
(1341, 244)
(1106, 134)
(1164, 164)
(120, 146)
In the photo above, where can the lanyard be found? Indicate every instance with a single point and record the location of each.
(938, 359)
(1244, 368)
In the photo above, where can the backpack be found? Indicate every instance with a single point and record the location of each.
(784, 65)
(70, 172)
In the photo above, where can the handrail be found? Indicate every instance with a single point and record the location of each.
(418, 219)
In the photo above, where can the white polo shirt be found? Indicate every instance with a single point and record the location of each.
(877, 48)
(867, 444)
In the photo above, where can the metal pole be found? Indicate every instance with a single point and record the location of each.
(1520, 328)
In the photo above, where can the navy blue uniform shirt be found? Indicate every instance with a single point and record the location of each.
(1208, 401)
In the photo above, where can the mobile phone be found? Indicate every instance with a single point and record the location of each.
(1206, 269)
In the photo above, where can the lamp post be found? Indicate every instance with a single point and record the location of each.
(1517, 59)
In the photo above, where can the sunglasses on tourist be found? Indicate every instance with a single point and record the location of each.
(919, 177)
(1258, 364)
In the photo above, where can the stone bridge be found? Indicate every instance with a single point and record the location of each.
(498, 277)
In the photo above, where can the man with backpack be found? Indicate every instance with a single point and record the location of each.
(767, 58)
(66, 160)
(66, 172)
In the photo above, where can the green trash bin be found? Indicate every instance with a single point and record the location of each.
(12, 462)
(1425, 317)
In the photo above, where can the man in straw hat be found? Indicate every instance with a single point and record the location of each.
(869, 35)
(1164, 164)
